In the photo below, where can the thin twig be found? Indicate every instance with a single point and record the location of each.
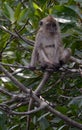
(30, 42)
(15, 81)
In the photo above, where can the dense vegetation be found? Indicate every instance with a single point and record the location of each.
(18, 26)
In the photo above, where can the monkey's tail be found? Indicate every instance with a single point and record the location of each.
(42, 83)
(37, 92)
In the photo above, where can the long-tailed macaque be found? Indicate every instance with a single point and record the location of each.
(48, 49)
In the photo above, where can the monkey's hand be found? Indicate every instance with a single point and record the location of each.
(46, 64)
(50, 66)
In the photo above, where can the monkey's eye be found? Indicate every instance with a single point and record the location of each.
(48, 24)
(41, 23)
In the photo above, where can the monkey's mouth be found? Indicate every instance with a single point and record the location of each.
(52, 32)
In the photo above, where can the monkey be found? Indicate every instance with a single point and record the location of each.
(48, 50)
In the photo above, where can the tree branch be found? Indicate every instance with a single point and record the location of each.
(65, 118)
(30, 42)
(15, 81)
(38, 100)
(78, 61)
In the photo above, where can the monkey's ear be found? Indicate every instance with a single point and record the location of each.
(41, 23)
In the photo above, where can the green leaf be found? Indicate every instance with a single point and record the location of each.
(61, 128)
(64, 11)
(44, 124)
(17, 11)
(8, 11)
(13, 127)
(76, 101)
(36, 6)
(80, 1)
(2, 121)
(62, 109)
(23, 15)
(76, 10)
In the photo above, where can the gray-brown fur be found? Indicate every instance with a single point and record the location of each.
(48, 49)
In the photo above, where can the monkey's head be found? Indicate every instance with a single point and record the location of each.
(49, 25)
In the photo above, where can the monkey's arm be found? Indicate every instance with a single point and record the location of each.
(34, 57)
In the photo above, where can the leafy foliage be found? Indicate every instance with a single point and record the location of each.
(63, 89)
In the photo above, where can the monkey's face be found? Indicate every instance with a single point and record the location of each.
(49, 25)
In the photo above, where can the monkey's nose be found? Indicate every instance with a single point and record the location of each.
(52, 30)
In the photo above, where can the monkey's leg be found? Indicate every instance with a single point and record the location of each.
(65, 56)
(37, 92)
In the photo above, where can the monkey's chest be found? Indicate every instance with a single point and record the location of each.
(49, 50)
